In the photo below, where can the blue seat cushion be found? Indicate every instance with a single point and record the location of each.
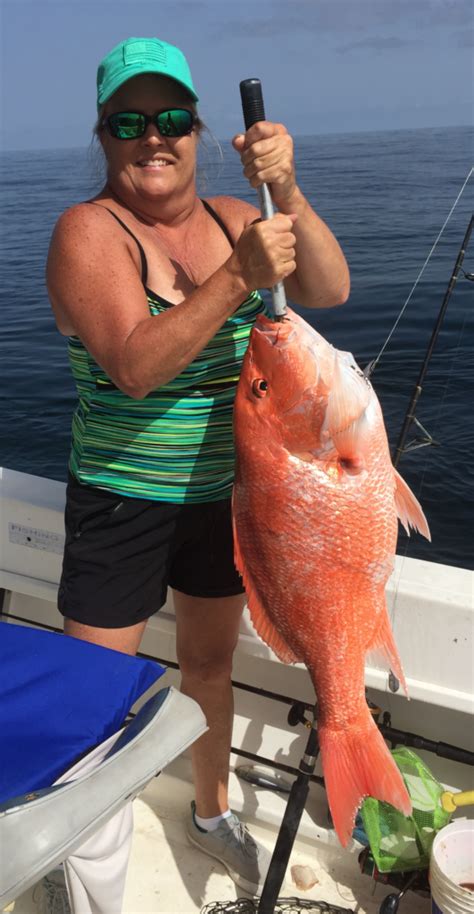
(60, 697)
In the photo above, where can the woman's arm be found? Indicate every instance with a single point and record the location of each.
(321, 278)
(96, 292)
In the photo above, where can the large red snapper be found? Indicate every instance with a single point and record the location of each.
(315, 507)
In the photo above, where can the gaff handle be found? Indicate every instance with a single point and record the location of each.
(254, 111)
(252, 101)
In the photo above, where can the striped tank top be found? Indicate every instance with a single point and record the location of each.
(175, 445)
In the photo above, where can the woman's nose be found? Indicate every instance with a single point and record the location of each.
(152, 134)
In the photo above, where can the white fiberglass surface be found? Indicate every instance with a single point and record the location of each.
(169, 876)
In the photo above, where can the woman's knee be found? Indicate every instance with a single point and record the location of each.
(207, 632)
(206, 668)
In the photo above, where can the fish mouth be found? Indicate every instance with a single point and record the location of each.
(277, 333)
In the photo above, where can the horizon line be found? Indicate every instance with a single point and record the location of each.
(296, 136)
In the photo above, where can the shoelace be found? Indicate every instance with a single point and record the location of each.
(240, 834)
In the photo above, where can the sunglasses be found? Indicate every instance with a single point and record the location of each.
(130, 125)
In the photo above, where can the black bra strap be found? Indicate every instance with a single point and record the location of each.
(144, 264)
(144, 270)
(219, 221)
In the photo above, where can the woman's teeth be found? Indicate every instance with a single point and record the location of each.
(153, 163)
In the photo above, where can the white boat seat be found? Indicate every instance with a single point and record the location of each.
(40, 829)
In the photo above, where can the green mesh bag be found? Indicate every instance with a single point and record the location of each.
(403, 843)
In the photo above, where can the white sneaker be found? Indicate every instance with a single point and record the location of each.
(245, 860)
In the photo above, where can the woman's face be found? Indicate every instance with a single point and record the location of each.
(152, 166)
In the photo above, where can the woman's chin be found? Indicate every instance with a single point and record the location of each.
(154, 184)
(156, 177)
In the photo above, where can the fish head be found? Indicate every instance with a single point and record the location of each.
(283, 390)
(302, 393)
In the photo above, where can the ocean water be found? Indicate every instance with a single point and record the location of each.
(385, 195)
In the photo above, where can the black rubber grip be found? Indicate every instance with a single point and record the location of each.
(252, 101)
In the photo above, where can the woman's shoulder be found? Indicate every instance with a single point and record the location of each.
(85, 214)
(85, 237)
(236, 213)
(84, 227)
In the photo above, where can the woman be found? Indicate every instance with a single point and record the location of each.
(157, 290)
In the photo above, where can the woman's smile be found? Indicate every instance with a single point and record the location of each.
(153, 164)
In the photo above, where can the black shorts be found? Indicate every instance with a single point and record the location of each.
(121, 554)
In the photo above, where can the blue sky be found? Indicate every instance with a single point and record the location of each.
(326, 65)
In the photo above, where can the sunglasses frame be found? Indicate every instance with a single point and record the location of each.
(150, 119)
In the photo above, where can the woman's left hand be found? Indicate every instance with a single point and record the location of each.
(266, 151)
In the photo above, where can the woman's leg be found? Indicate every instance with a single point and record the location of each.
(207, 631)
(127, 640)
(206, 635)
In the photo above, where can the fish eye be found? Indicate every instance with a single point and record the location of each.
(259, 387)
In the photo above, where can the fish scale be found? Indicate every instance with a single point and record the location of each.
(315, 507)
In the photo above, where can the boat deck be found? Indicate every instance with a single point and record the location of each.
(167, 875)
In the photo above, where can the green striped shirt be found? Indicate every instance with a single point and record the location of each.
(175, 445)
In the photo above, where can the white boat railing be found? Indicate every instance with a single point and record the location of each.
(430, 605)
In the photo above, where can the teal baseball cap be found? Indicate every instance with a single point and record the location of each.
(142, 55)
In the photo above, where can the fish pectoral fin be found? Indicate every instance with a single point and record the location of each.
(261, 622)
(408, 508)
(347, 402)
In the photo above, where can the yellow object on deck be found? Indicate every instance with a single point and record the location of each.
(451, 801)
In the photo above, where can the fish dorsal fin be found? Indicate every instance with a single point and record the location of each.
(348, 400)
(408, 508)
(260, 619)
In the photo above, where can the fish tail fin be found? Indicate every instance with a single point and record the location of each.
(358, 764)
(408, 508)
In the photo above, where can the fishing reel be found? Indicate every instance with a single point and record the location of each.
(416, 881)
(299, 709)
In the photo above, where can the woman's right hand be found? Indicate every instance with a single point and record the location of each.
(265, 252)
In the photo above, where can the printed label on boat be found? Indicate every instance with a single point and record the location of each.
(36, 538)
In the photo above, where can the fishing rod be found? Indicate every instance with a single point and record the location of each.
(394, 736)
(410, 416)
(370, 368)
(290, 824)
